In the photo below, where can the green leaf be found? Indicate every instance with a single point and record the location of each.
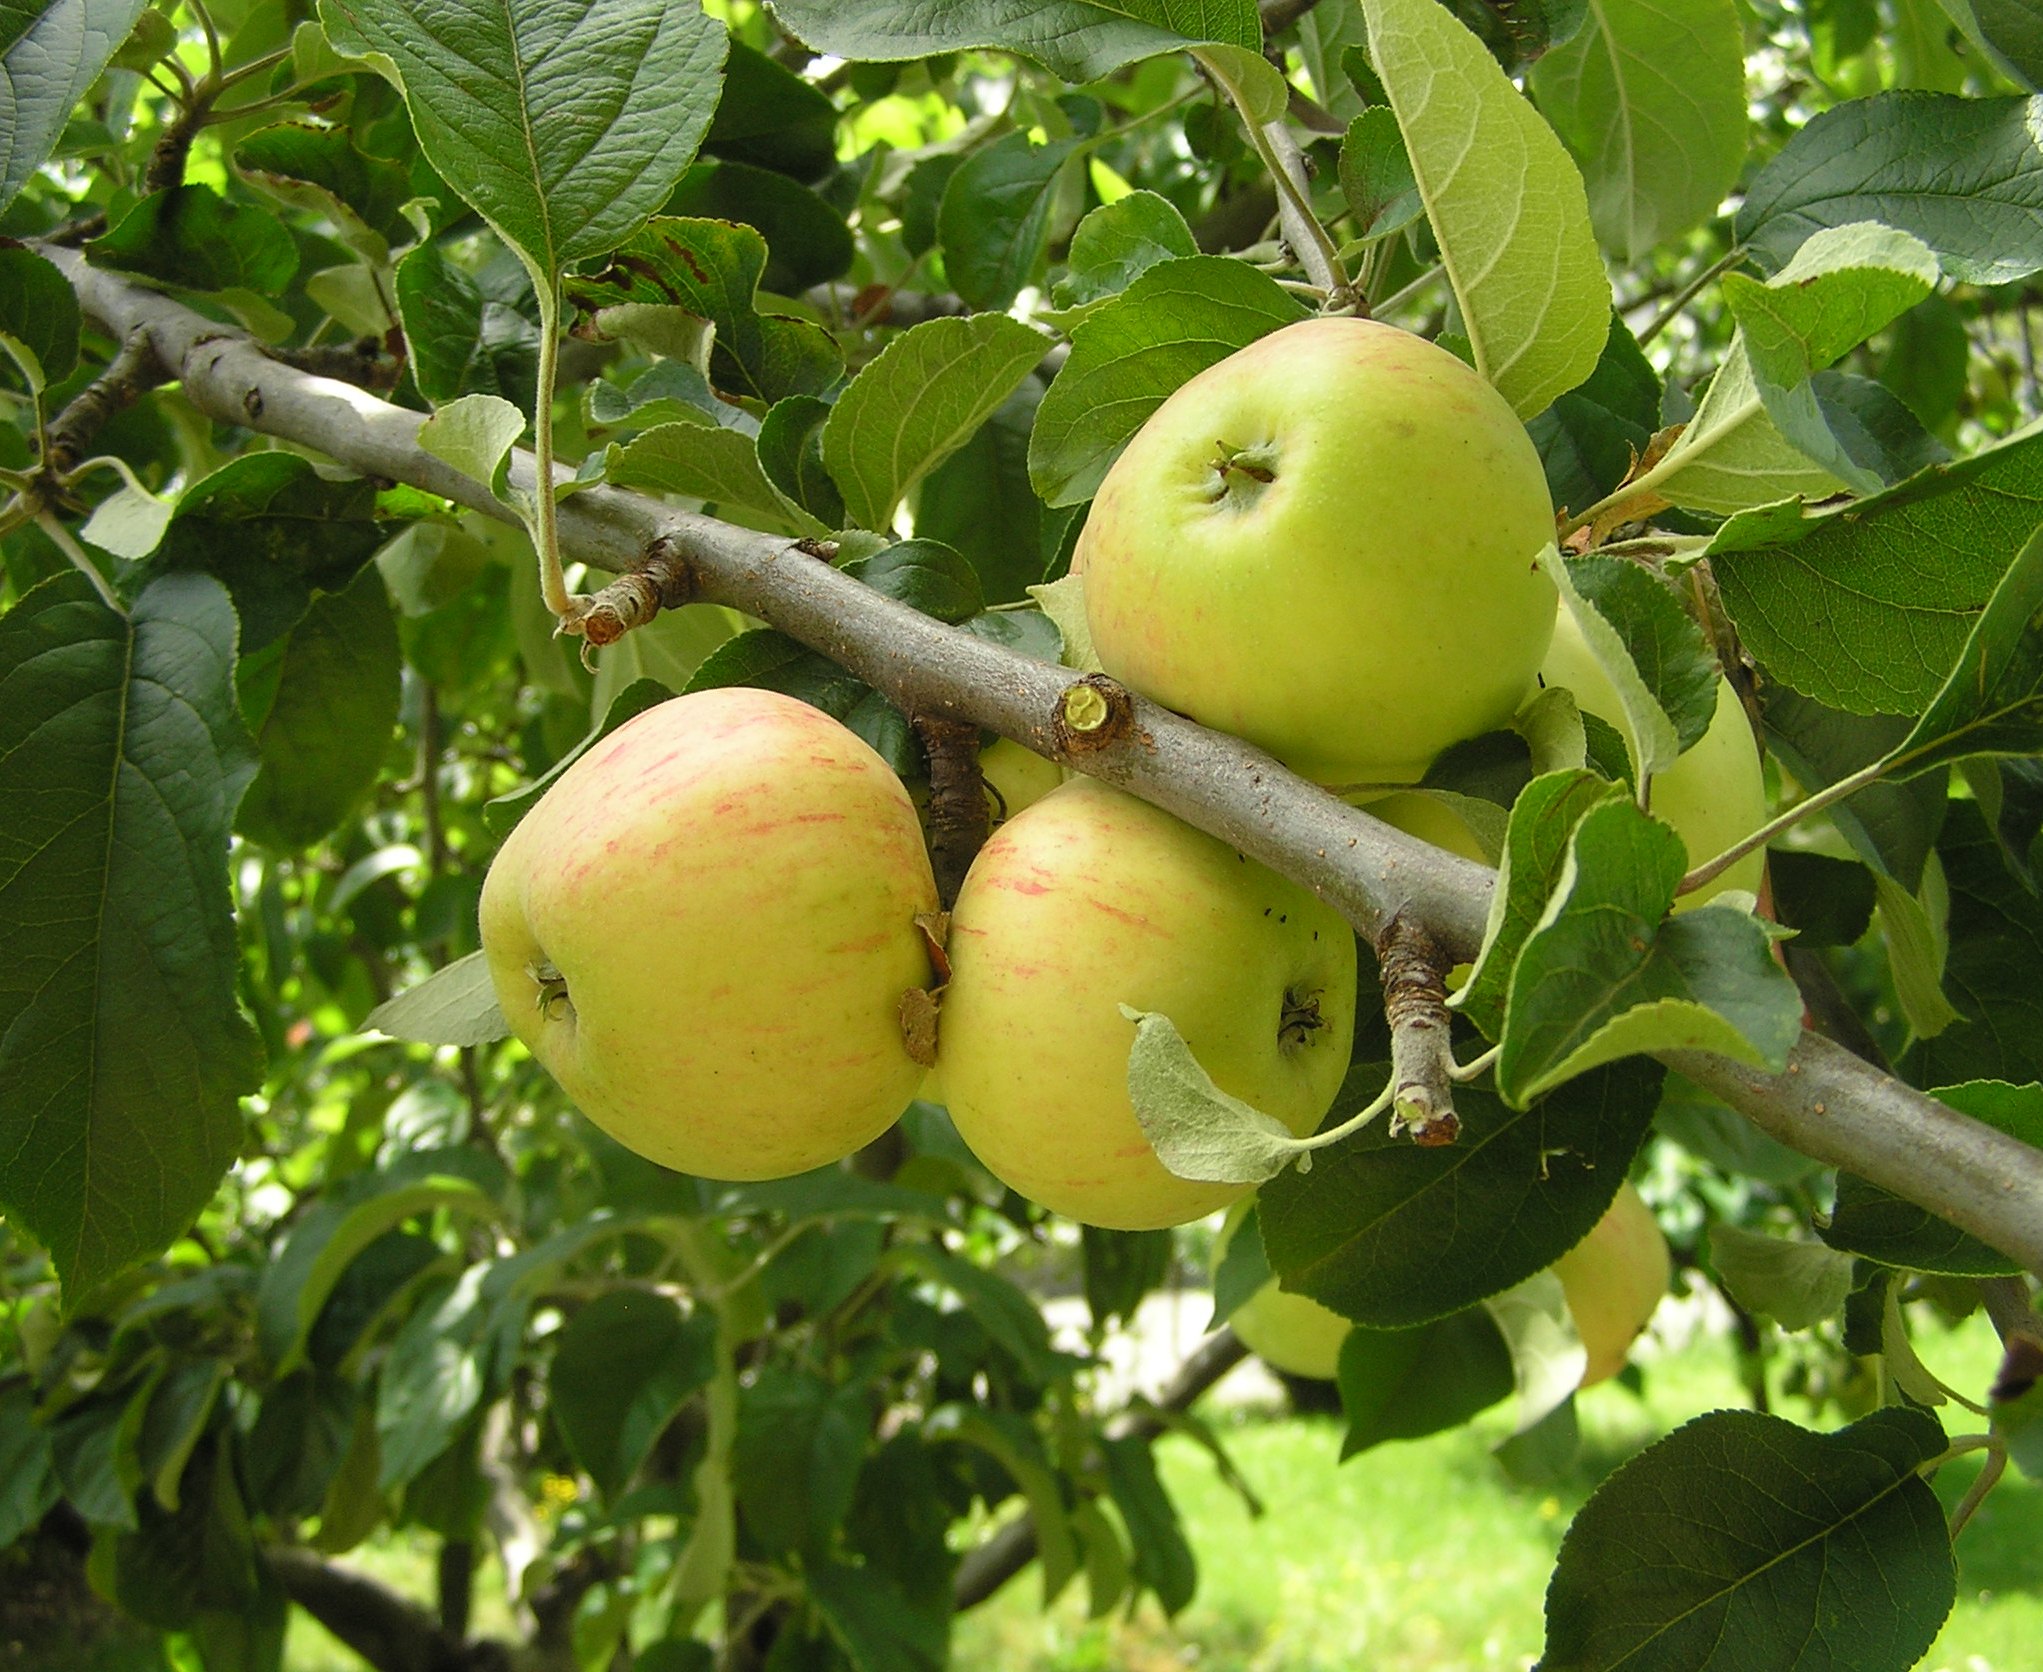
(327, 705)
(563, 126)
(807, 241)
(1604, 974)
(38, 317)
(775, 662)
(1548, 1360)
(1650, 98)
(1392, 1234)
(274, 532)
(916, 404)
(2016, 1402)
(1117, 243)
(1992, 704)
(122, 1049)
(1505, 201)
(1649, 648)
(1877, 1224)
(711, 269)
(456, 1005)
(790, 447)
(192, 238)
(1590, 438)
(462, 341)
(622, 1368)
(1743, 1540)
(28, 1480)
(1868, 607)
(1796, 1283)
(1243, 1269)
(1175, 320)
(1376, 176)
(1013, 1444)
(665, 392)
(2010, 30)
(770, 117)
(979, 500)
(1197, 1130)
(925, 575)
(50, 55)
(1731, 455)
(1842, 285)
(1007, 1315)
(1963, 175)
(327, 1239)
(706, 462)
(1996, 945)
(1403, 1384)
(1162, 1558)
(877, 1624)
(321, 170)
(1536, 843)
(800, 1443)
(1078, 40)
(995, 219)
(475, 435)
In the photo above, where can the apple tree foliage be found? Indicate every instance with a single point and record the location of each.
(287, 1266)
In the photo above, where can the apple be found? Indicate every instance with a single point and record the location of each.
(704, 929)
(1089, 900)
(1431, 820)
(1714, 793)
(1291, 1333)
(1017, 776)
(1614, 1278)
(1325, 544)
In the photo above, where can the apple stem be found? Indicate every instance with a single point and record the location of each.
(1421, 1045)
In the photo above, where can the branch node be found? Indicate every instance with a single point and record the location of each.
(666, 581)
(823, 550)
(1093, 713)
(1421, 1044)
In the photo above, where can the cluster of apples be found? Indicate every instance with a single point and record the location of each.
(1326, 545)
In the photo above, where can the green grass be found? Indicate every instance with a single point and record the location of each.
(1424, 1557)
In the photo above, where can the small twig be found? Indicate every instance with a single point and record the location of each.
(132, 372)
(1989, 1477)
(1422, 1064)
(60, 537)
(1830, 796)
(1398, 298)
(1688, 292)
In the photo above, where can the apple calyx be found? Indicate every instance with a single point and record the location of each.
(552, 991)
(1252, 464)
(1299, 1020)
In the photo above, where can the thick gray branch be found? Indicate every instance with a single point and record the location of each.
(391, 1632)
(1828, 1104)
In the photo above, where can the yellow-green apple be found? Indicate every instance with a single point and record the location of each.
(1325, 544)
(1614, 1278)
(1018, 777)
(1089, 900)
(704, 929)
(1292, 1333)
(1431, 820)
(1714, 793)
